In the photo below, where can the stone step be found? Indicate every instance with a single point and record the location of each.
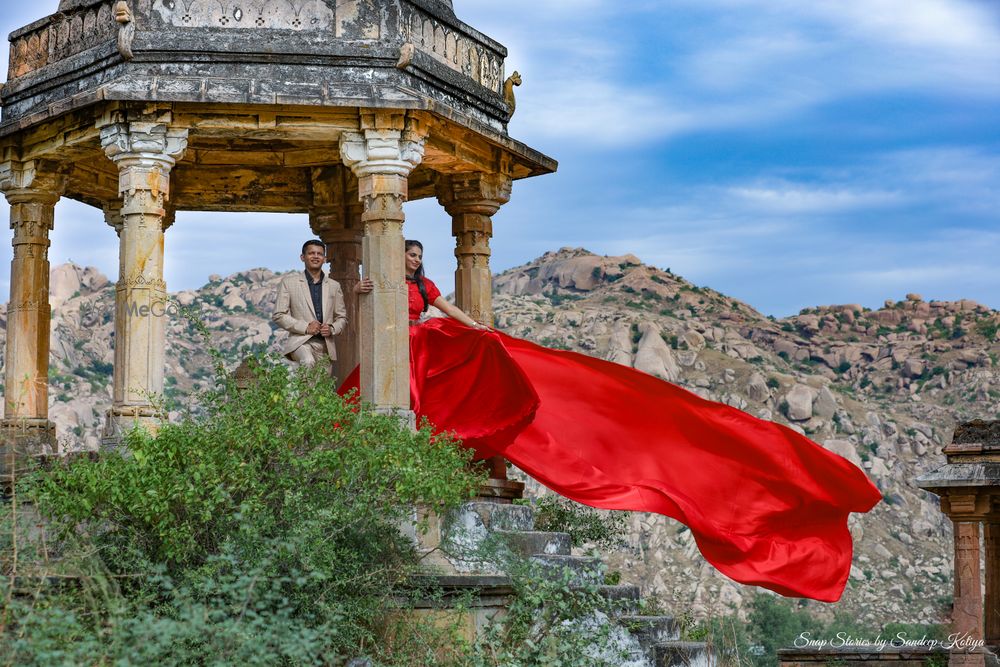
(585, 569)
(534, 542)
(496, 516)
(683, 654)
(651, 631)
(624, 597)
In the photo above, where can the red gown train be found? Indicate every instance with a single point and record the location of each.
(765, 505)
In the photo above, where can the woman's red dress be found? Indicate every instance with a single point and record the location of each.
(765, 505)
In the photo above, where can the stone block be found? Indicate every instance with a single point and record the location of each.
(583, 569)
(531, 543)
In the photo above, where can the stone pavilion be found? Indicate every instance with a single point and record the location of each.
(341, 109)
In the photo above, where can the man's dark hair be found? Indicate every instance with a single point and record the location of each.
(313, 242)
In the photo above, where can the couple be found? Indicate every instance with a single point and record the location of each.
(766, 505)
(310, 305)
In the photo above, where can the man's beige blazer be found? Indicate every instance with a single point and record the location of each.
(293, 311)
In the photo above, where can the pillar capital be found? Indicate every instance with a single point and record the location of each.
(475, 192)
(143, 136)
(387, 143)
(32, 181)
(113, 216)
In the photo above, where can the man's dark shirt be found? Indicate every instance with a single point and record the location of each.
(316, 292)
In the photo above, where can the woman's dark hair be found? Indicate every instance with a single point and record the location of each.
(418, 275)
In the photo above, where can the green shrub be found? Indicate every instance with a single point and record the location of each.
(265, 531)
(584, 524)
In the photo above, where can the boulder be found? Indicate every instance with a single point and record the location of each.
(64, 282)
(757, 389)
(825, 405)
(234, 301)
(692, 340)
(620, 344)
(843, 448)
(185, 298)
(800, 402)
(786, 346)
(654, 356)
(913, 367)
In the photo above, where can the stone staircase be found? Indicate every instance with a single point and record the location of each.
(455, 545)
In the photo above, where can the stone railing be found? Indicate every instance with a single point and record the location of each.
(59, 36)
(464, 51)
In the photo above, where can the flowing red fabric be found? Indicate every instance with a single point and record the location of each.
(765, 505)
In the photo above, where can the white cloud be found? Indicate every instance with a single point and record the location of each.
(784, 197)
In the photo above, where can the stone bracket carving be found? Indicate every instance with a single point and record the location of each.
(126, 28)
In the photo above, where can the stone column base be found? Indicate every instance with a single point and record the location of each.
(121, 420)
(23, 442)
(407, 417)
(503, 491)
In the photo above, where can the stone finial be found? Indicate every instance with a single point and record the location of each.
(245, 375)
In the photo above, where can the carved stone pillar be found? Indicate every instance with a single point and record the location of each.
(471, 200)
(144, 149)
(382, 156)
(991, 615)
(32, 190)
(967, 617)
(335, 217)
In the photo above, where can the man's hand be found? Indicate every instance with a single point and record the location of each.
(313, 327)
(364, 286)
(325, 330)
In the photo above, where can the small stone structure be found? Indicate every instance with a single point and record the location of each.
(342, 109)
(969, 487)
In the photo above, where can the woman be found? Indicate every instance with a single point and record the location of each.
(765, 505)
(421, 290)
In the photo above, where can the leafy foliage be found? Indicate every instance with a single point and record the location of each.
(603, 529)
(264, 531)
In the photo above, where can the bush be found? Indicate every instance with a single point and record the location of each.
(264, 532)
(604, 530)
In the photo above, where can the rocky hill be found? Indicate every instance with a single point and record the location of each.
(880, 387)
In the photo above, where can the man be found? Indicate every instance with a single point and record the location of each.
(310, 307)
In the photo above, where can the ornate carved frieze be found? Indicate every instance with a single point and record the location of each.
(453, 47)
(246, 14)
(63, 35)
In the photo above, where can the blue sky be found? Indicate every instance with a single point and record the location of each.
(787, 153)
